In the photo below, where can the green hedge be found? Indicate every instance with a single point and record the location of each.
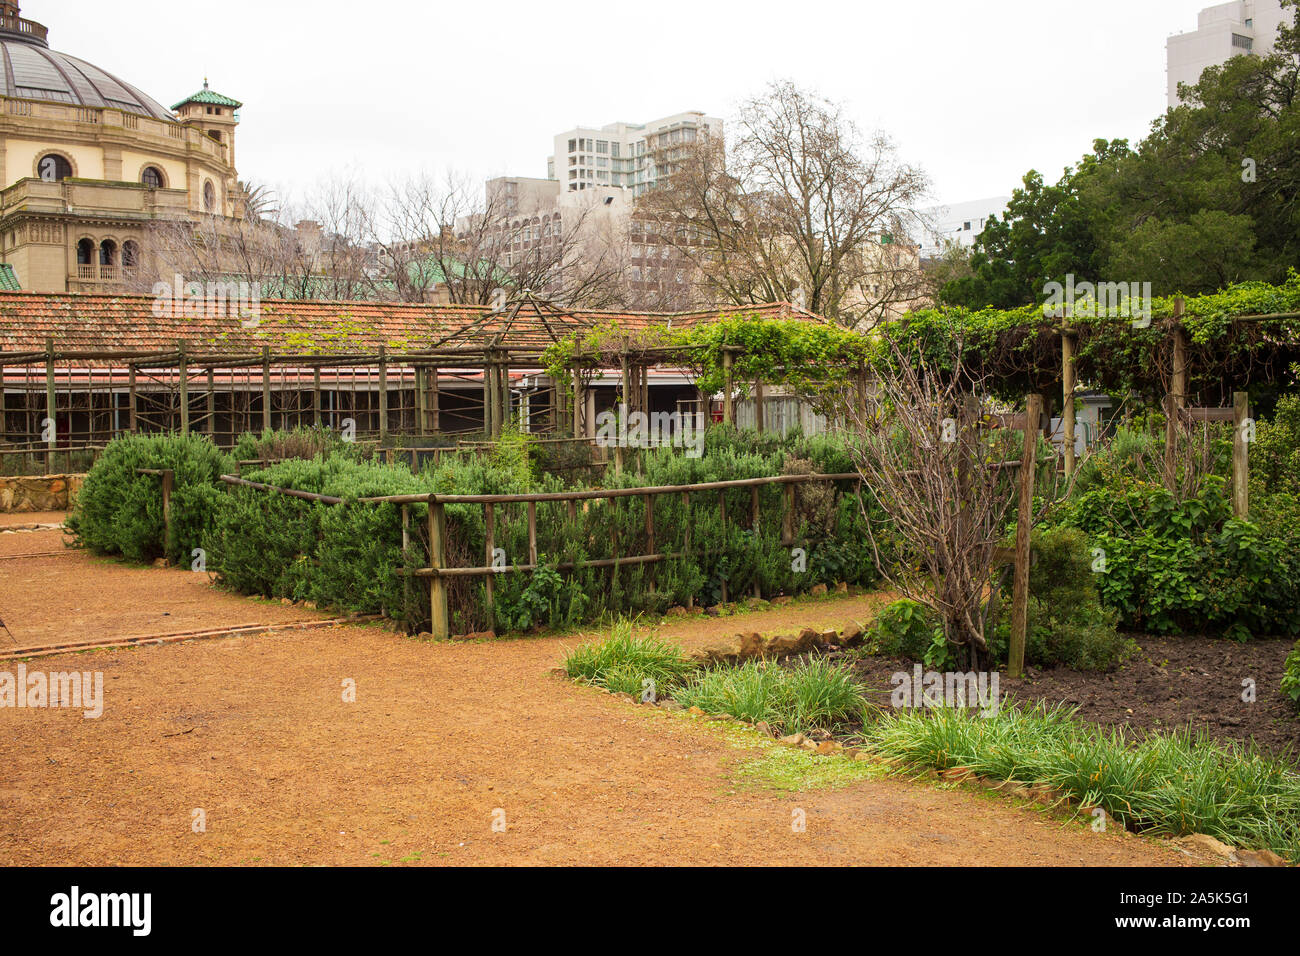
(120, 512)
(349, 556)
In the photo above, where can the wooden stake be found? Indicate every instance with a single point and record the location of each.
(441, 623)
(490, 522)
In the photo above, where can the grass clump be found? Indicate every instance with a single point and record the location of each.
(624, 662)
(813, 694)
(1169, 784)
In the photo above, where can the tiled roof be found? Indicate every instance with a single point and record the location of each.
(132, 323)
(8, 278)
(210, 98)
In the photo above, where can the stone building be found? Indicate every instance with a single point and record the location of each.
(88, 162)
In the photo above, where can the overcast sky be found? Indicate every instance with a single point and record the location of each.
(975, 92)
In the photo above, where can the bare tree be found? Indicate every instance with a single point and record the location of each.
(314, 250)
(799, 209)
(943, 492)
(442, 231)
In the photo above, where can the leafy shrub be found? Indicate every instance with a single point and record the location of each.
(275, 445)
(813, 694)
(623, 663)
(120, 512)
(1066, 622)
(904, 629)
(350, 556)
(346, 556)
(1291, 676)
(1174, 565)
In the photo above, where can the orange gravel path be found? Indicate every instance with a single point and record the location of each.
(254, 731)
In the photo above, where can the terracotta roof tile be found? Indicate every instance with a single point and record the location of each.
(131, 323)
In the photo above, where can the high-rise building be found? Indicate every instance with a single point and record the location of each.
(629, 155)
(1222, 31)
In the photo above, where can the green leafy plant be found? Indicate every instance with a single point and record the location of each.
(624, 661)
(120, 512)
(813, 694)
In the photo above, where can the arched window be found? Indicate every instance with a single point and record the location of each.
(152, 177)
(107, 252)
(85, 251)
(130, 255)
(52, 167)
(209, 196)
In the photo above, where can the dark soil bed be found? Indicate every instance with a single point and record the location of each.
(1170, 683)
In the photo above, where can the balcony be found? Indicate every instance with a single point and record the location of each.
(28, 29)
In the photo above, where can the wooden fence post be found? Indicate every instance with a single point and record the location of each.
(441, 624)
(168, 483)
(490, 523)
(1020, 586)
(1177, 397)
(431, 378)
(1240, 455)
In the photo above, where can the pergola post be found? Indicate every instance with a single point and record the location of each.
(728, 401)
(133, 406)
(183, 386)
(1176, 400)
(50, 425)
(211, 428)
(1067, 400)
(383, 393)
(266, 388)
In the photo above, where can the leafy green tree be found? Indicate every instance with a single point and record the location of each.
(1209, 198)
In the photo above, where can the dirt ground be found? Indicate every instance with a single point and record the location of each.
(59, 594)
(1172, 683)
(252, 737)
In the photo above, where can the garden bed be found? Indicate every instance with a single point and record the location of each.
(1169, 683)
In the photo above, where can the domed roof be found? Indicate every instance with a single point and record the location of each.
(32, 71)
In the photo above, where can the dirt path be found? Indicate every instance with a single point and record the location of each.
(254, 732)
(50, 593)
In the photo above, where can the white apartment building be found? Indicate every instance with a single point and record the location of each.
(958, 224)
(631, 156)
(1222, 31)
